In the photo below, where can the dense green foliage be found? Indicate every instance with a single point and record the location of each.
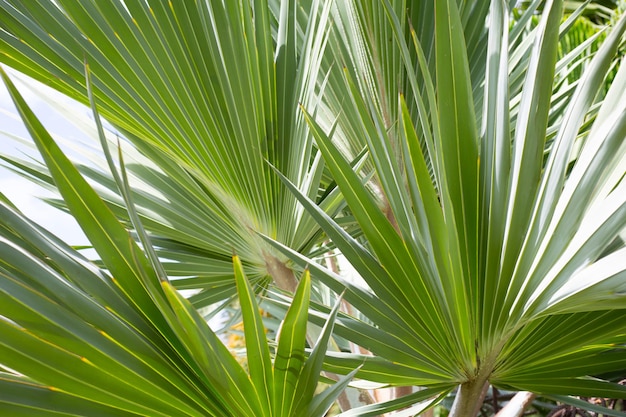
(469, 168)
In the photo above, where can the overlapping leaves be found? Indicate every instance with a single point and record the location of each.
(121, 340)
(207, 92)
(501, 243)
(489, 205)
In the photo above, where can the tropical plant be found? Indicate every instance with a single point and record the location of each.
(123, 341)
(475, 187)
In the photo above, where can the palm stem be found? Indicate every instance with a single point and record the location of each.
(469, 398)
(471, 393)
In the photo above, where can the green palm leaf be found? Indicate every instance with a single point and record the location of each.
(207, 94)
(472, 176)
(135, 346)
(490, 306)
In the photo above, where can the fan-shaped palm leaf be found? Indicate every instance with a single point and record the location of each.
(122, 341)
(485, 238)
(207, 92)
(484, 271)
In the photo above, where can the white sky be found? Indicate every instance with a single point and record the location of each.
(23, 193)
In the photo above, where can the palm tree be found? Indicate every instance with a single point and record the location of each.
(476, 189)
